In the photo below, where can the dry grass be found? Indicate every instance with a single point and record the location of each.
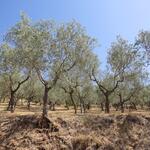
(94, 130)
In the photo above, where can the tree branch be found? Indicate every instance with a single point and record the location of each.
(19, 83)
(101, 87)
(40, 77)
(116, 85)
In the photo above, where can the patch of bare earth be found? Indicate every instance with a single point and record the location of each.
(89, 132)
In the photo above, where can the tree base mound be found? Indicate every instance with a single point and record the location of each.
(14, 125)
(29, 122)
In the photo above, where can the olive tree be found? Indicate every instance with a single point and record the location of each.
(143, 43)
(12, 71)
(129, 89)
(75, 81)
(48, 48)
(120, 57)
(87, 95)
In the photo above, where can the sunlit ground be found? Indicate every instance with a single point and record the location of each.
(61, 111)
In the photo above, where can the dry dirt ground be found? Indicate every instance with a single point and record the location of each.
(92, 131)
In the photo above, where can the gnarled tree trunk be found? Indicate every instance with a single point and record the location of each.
(73, 102)
(45, 101)
(102, 106)
(11, 104)
(107, 107)
(121, 103)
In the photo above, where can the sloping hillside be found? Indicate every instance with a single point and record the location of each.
(122, 132)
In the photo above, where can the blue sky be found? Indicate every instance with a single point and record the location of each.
(103, 19)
